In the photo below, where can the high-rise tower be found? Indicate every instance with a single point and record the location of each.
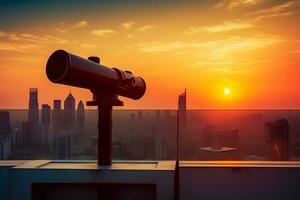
(182, 112)
(80, 118)
(5, 127)
(69, 113)
(45, 124)
(33, 116)
(57, 117)
(46, 114)
(278, 138)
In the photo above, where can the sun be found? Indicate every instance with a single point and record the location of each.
(227, 91)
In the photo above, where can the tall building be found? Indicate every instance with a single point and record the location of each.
(132, 118)
(69, 113)
(182, 101)
(62, 146)
(26, 133)
(57, 117)
(5, 135)
(182, 112)
(46, 109)
(80, 118)
(45, 125)
(5, 127)
(278, 138)
(5, 146)
(33, 114)
(57, 104)
(33, 117)
(140, 117)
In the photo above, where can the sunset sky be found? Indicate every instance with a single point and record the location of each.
(251, 47)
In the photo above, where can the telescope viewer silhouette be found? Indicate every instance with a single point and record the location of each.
(104, 82)
(68, 69)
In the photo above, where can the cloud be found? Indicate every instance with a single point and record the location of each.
(260, 9)
(87, 45)
(216, 48)
(145, 28)
(22, 42)
(233, 4)
(2, 34)
(103, 32)
(226, 26)
(238, 44)
(8, 47)
(130, 35)
(128, 25)
(24, 58)
(295, 51)
(161, 47)
(284, 9)
(60, 30)
(18, 47)
(14, 37)
(43, 39)
(80, 24)
(214, 62)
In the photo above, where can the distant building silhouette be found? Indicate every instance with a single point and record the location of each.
(278, 138)
(17, 137)
(157, 116)
(5, 146)
(132, 117)
(5, 135)
(5, 127)
(69, 113)
(46, 109)
(140, 117)
(33, 116)
(62, 146)
(80, 118)
(26, 132)
(57, 117)
(57, 104)
(182, 112)
(45, 123)
(182, 101)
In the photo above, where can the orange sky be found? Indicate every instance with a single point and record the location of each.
(249, 46)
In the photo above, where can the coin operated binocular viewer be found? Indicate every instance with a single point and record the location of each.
(104, 82)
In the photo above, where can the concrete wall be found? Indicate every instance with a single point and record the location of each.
(243, 182)
(121, 180)
(4, 182)
(206, 180)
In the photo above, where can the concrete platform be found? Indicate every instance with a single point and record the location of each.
(86, 180)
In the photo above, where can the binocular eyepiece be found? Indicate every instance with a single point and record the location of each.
(68, 69)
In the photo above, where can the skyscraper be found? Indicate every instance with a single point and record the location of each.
(278, 137)
(45, 124)
(57, 104)
(182, 101)
(80, 118)
(33, 116)
(5, 127)
(46, 114)
(57, 117)
(182, 112)
(62, 146)
(69, 113)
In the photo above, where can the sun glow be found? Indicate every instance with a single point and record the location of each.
(227, 91)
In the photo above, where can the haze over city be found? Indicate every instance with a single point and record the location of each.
(229, 54)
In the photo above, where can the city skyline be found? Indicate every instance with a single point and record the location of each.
(251, 48)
